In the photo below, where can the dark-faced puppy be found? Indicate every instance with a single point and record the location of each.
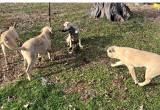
(73, 40)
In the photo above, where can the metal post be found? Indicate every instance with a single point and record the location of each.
(49, 13)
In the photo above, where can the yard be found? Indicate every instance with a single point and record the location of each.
(85, 81)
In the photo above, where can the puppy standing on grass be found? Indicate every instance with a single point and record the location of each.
(9, 39)
(73, 40)
(36, 46)
(136, 58)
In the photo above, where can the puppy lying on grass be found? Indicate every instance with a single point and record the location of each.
(73, 40)
(9, 40)
(36, 46)
(136, 58)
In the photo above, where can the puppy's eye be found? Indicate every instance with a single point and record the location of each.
(110, 51)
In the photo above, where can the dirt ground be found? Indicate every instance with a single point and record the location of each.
(15, 61)
(148, 10)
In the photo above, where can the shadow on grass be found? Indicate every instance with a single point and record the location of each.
(94, 50)
(95, 46)
(154, 82)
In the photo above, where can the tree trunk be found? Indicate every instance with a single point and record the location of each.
(112, 11)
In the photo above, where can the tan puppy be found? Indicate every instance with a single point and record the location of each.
(36, 46)
(136, 58)
(9, 39)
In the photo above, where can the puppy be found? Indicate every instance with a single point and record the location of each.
(73, 40)
(9, 40)
(36, 46)
(136, 58)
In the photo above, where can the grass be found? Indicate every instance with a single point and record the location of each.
(86, 82)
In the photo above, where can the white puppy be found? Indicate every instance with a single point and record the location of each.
(9, 39)
(136, 58)
(35, 46)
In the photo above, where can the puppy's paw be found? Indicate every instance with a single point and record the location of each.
(70, 52)
(29, 79)
(51, 59)
(112, 65)
(81, 47)
(141, 84)
(136, 82)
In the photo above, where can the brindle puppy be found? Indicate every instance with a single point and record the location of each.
(73, 40)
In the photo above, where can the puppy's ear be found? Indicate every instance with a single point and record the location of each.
(65, 24)
(50, 29)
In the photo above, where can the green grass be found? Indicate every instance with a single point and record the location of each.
(86, 82)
